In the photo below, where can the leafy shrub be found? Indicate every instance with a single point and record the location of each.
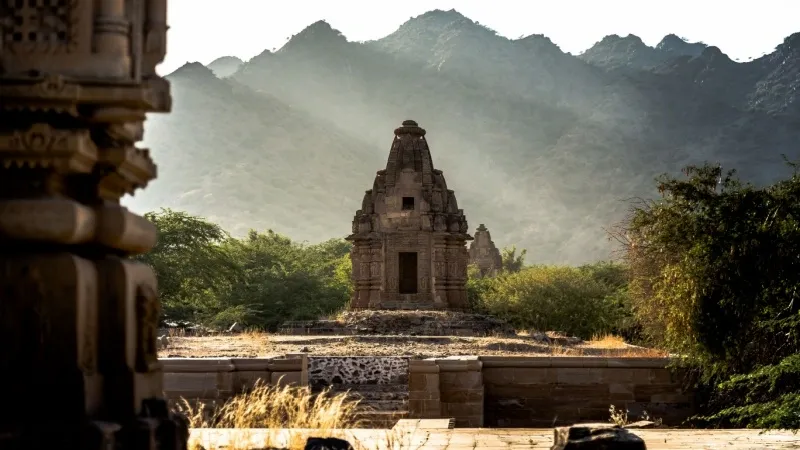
(560, 298)
(715, 277)
(205, 276)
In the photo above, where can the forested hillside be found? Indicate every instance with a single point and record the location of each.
(542, 146)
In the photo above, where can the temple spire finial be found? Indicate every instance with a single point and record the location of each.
(409, 127)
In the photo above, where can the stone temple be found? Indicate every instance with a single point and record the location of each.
(484, 254)
(409, 237)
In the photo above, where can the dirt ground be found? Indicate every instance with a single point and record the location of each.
(251, 345)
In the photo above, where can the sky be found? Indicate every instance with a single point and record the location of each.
(205, 30)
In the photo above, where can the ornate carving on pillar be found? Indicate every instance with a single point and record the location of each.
(77, 79)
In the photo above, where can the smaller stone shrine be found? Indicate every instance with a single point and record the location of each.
(409, 237)
(484, 254)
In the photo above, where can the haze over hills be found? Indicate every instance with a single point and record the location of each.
(540, 145)
(225, 66)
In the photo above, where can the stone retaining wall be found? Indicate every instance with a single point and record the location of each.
(534, 392)
(490, 391)
(217, 379)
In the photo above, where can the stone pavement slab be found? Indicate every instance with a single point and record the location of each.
(436, 434)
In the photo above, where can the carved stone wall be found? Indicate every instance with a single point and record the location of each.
(76, 80)
(409, 210)
(484, 254)
(357, 370)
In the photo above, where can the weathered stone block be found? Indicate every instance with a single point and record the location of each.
(535, 391)
(423, 382)
(423, 366)
(579, 361)
(286, 378)
(645, 393)
(192, 385)
(251, 364)
(463, 380)
(519, 376)
(638, 363)
(423, 406)
(462, 409)
(470, 421)
(197, 365)
(621, 388)
(670, 398)
(578, 375)
(423, 395)
(244, 381)
(616, 375)
(585, 392)
(285, 365)
(462, 395)
(640, 376)
(662, 376)
(515, 362)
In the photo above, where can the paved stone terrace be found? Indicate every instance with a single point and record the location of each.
(435, 434)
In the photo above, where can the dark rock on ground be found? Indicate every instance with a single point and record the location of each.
(596, 436)
(327, 444)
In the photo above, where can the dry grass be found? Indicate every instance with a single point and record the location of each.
(608, 341)
(620, 417)
(275, 408)
(258, 344)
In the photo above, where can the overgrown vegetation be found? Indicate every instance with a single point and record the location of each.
(711, 272)
(207, 277)
(582, 301)
(275, 408)
(715, 272)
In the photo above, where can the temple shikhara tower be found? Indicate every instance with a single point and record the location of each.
(483, 253)
(78, 317)
(409, 237)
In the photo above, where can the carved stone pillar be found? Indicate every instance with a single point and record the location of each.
(78, 319)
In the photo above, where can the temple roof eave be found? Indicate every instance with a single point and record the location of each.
(363, 236)
(375, 235)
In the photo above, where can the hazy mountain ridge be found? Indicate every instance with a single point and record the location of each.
(225, 66)
(538, 144)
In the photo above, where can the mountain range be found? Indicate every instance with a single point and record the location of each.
(542, 146)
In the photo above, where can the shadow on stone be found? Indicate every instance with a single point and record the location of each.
(596, 436)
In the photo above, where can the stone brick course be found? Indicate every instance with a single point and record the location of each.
(474, 391)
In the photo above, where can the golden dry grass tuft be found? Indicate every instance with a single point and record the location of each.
(276, 409)
(608, 341)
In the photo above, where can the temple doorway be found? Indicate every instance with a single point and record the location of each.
(407, 265)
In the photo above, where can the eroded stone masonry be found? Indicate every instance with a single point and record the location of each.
(78, 318)
(409, 237)
(484, 254)
(357, 370)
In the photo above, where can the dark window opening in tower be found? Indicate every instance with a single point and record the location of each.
(408, 203)
(407, 266)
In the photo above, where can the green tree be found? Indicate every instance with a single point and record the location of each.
(511, 261)
(284, 280)
(715, 277)
(545, 298)
(191, 264)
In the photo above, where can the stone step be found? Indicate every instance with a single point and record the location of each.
(365, 396)
(370, 392)
(380, 419)
(396, 387)
(383, 405)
